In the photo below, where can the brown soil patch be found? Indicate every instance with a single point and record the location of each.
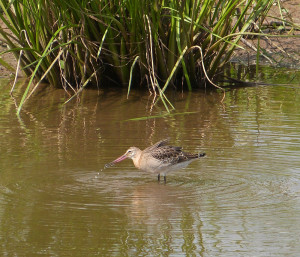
(7, 57)
(280, 51)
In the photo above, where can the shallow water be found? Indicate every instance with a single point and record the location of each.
(243, 199)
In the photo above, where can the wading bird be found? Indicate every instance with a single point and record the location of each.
(159, 158)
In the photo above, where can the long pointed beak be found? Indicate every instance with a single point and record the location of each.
(121, 158)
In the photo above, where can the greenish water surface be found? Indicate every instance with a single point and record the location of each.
(243, 199)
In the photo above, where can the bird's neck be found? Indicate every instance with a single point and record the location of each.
(137, 158)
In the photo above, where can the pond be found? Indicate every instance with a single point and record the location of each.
(242, 199)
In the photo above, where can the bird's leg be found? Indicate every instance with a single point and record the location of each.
(158, 177)
(165, 179)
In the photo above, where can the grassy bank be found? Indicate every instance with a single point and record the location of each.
(154, 44)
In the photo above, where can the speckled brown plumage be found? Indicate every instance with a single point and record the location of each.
(171, 154)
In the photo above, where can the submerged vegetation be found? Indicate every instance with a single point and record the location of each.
(72, 44)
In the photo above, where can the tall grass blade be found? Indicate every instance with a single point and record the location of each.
(45, 53)
(131, 72)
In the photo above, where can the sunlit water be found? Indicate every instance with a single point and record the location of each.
(243, 199)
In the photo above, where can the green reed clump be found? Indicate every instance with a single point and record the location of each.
(74, 43)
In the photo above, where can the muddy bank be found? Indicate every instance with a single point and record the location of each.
(9, 58)
(279, 50)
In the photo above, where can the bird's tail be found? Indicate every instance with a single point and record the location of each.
(201, 155)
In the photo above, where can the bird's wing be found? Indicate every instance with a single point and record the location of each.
(156, 145)
(168, 154)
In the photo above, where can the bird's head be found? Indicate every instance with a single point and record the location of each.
(131, 153)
